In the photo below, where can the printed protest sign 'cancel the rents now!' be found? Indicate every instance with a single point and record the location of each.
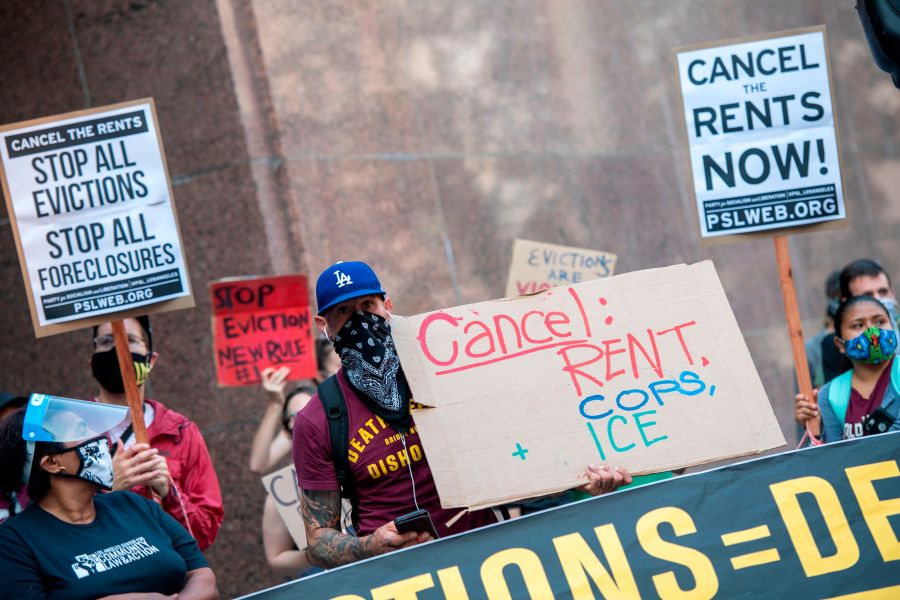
(761, 132)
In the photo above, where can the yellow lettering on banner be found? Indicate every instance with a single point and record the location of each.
(846, 550)
(875, 510)
(706, 584)
(578, 561)
(452, 584)
(530, 566)
(405, 589)
(374, 473)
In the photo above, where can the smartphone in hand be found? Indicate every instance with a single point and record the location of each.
(417, 521)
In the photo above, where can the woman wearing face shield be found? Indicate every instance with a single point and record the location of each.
(73, 542)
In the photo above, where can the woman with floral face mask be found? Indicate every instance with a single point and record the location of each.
(866, 399)
(72, 541)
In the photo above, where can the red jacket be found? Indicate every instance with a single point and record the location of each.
(180, 441)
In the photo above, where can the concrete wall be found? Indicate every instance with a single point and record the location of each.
(422, 137)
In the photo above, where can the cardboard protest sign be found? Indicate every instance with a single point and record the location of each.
(282, 486)
(646, 370)
(761, 132)
(808, 523)
(89, 198)
(261, 322)
(537, 266)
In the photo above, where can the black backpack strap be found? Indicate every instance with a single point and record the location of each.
(339, 432)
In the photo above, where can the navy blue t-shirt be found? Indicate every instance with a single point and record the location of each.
(132, 546)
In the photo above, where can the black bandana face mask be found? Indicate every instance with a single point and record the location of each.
(371, 363)
(105, 367)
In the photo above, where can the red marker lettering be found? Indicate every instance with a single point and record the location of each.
(609, 354)
(485, 334)
(677, 329)
(632, 342)
(574, 369)
(525, 328)
(423, 338)
(584, 318)
(562, 319)
(501, 339)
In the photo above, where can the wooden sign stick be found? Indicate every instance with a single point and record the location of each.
(126, 366)
(795, 329)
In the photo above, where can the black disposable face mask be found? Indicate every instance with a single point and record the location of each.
(105, 367)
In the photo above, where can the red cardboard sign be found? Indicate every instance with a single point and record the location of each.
(261, 322)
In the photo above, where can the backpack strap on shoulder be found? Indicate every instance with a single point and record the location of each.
(895, 375)
(339, 432)
(839, 394)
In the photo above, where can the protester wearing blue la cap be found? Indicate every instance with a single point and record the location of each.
(386, 472)
(345, 281)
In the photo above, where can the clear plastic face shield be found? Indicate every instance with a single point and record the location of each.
(63, 420)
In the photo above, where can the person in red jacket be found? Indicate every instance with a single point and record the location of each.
(174, 468)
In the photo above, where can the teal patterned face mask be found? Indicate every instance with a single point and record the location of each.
(872, 346)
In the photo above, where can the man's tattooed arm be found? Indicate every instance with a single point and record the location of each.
(327, 546)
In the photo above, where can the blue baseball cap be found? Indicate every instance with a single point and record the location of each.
(344, 281)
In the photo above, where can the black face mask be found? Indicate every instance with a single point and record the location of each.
(105, 367)
(372, 366)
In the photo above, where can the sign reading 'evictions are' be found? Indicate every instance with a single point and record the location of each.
(820, 522)
(537, 266)
(261, 322)
(761, 132)
(646, 370)
(93, 215)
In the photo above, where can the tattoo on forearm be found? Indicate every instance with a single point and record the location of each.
(328, 547)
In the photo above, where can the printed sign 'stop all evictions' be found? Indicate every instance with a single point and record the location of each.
(646, 370)
(761, 132)
(93, 216)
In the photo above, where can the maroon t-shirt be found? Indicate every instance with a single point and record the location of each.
(378, 464)
(859, 408)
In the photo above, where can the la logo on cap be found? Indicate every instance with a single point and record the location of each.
(342, 279)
